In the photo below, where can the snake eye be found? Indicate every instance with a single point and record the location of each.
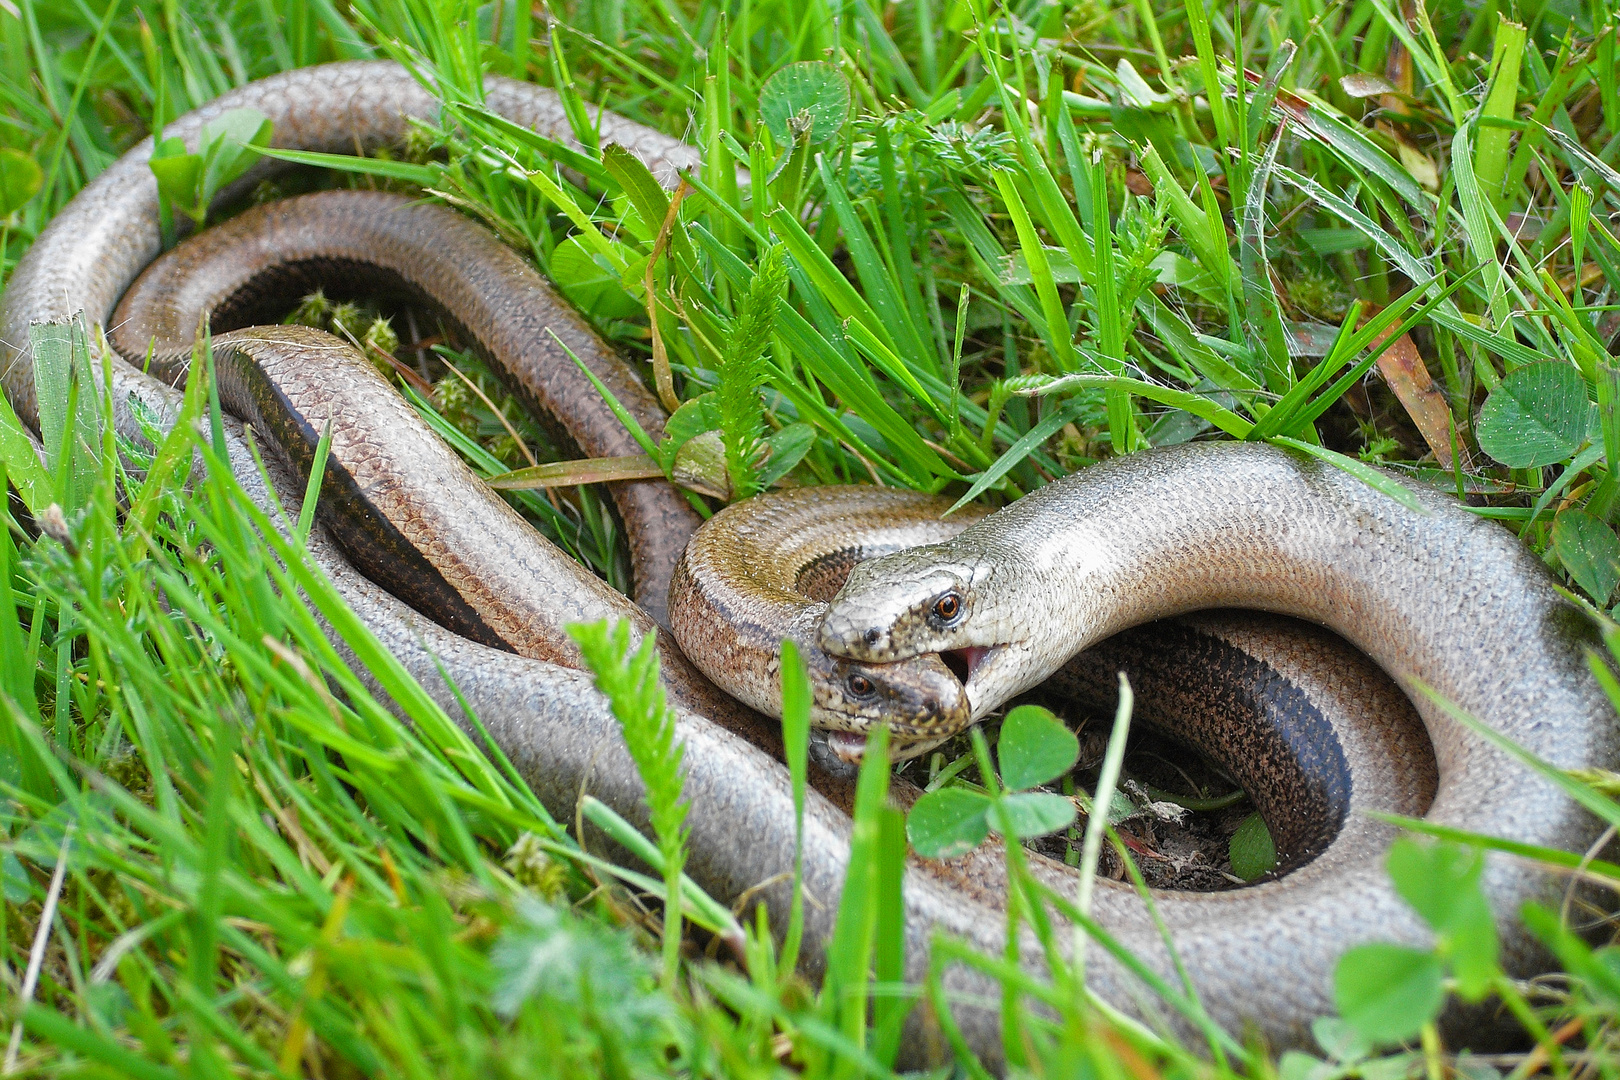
(859, 685)
(948, 607)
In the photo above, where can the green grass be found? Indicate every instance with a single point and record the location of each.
(259, 877)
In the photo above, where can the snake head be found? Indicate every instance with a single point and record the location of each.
(919, 698)
(920, 602)
(900, 606)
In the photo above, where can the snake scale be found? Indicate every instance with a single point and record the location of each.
(516, 669)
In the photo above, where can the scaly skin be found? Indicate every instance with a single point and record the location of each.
(1261, 954)
(370, 243)
(1453, 607)
(744, 584)
(96, 247)
(401, 503)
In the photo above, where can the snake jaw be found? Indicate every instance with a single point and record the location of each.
(992, 673)
(850, 746)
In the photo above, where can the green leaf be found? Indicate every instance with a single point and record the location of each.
(68, 392)
(1252, 851)
(230, 144)
(179, 173)
(1036, 813)
(589, 285)
(1035, 747)
(795, 725)
(1441, 882)
(1355, 145)
(21, 463)
(1491, 152)
(650, 200)
(1539, 415)
(1598, 969)
(1368, 475)
(949, 822)
(408, 171)
(694, 417)
(1590, 552)
(20, 180)
(1339, 1040)
(1021, 449)
(788, 448)
(15, 884)
(1388, 992)
(810, 96)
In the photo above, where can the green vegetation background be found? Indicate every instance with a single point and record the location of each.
(1016, 239)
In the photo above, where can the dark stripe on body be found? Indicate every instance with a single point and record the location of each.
(1237, 710)
(262, 300)
(371, 541)
(822, 577)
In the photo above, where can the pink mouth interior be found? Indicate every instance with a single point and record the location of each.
(850, 746)
(963, 662)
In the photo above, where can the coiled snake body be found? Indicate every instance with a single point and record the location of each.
(1493, 627)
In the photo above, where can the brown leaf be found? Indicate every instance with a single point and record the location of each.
(1362, 85)
(1403, 369)
(574, 473)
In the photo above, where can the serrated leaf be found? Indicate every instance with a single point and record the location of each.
(949, 822)
(1590, 552)
(20, 180)
(810, 95)
(1388, 992)
(1252, 851)
(1036, 813)
(1035, 747)
(1537, 416)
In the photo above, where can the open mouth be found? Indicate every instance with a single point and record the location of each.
(964, 662)
(849, 746)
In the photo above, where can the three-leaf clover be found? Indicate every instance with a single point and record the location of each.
(1035, 748)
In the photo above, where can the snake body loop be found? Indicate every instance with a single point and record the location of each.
(402, 505)
(367, 243)
(1260, 955)
(1453, 607)
(1316, 734)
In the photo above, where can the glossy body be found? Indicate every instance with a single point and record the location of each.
(1259, 955)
